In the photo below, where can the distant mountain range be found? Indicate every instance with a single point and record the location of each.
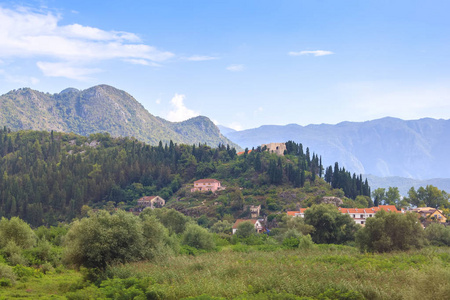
(101, 108)
(404, 184)
(385, 147)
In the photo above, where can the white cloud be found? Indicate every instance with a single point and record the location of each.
(26, 33)
(142, 62)
(235, 125)
(179, 111)
(23, 80)
(68, 70)
(201, 58)
(315, 53)
(235, 68)
(158, 101)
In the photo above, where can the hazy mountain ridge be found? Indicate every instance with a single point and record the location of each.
(404, 184)
(383, 147)
(101, 108)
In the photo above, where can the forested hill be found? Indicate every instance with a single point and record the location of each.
(101, 108)
(47, 177)
(384, 147)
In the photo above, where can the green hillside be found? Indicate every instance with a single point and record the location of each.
(46, 178)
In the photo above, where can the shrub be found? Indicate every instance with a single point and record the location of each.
(331, 226)
(245, 230)
(438, 234)
(7, 276)
(390, 231)
(198, 237)
(18, 231)
(103, 239)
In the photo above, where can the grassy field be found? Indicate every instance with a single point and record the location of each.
(249, 272)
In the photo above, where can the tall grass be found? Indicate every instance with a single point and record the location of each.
(423, 274)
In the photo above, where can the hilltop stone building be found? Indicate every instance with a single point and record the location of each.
(277, 148)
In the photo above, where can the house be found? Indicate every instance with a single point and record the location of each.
(431, 213)
(297, 213)
(151, 201)
(359, 215)
(204, 185)
(256, 223)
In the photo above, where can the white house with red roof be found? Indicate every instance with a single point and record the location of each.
(359, 215)
(205, 185)
(256, 223)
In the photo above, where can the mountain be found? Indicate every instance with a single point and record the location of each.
(404, 184)
(101, 108)
(384, 147)
(225, 130)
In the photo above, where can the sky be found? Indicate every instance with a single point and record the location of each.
(241, 63)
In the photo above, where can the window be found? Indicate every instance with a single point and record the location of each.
(362, 222)
(370, 216)
(362, 216)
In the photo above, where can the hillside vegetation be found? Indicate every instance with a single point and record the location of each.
(46, 178)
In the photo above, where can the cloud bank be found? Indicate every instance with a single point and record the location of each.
(25, 33)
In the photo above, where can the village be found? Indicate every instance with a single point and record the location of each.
(425, 215)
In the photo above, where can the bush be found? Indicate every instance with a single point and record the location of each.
(7, 276)
(390, 231)
(198, 237)
(438, 234)
(104, 239)
(17, 231)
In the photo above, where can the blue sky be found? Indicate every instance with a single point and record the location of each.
(241, 63)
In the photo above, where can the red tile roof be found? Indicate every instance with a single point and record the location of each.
(355, 210)
(207, 180)
(239, 221)
(294, 212)
(242, 152)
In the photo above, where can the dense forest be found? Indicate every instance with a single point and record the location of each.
(47, 177)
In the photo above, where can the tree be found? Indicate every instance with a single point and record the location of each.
(389, 231)
(331, 226)
(429, 196)
(157, 241)
(198, 237)
(103, 239)
(393, 196)
(245, 230)
(379, 196)
(170, 218)
(17, 231)
(295, 223)
(438, 234)
(222, 227)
